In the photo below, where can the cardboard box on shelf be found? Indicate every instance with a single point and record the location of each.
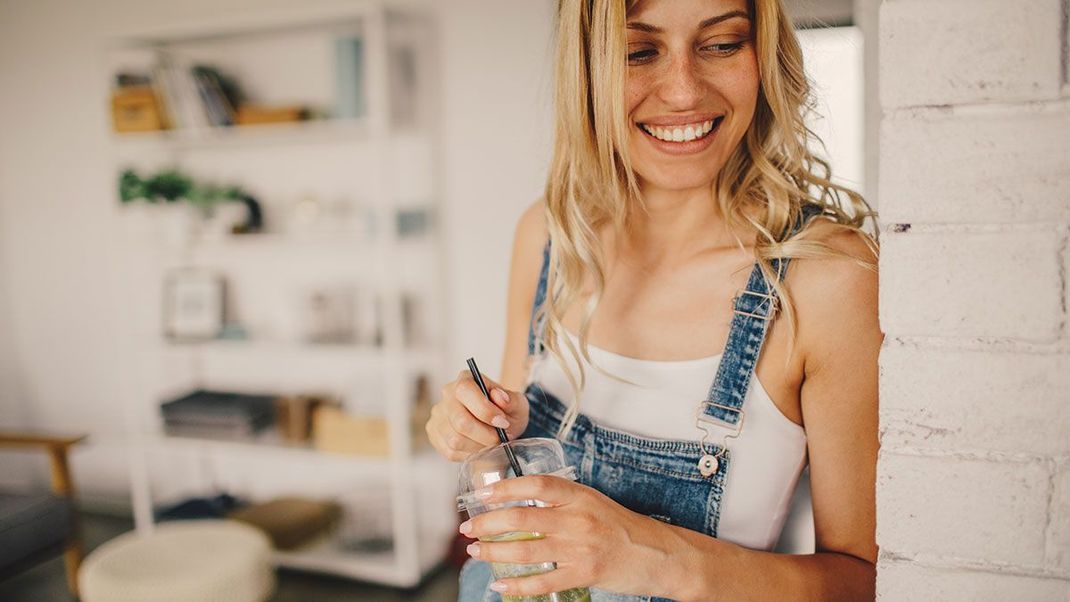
(256, 114)
(335, 431)
(135, 109)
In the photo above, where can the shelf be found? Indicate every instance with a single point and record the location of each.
(264, 21)
(347, 351)
(269, 445)
(301, 132)
(298, 132)
(379, 567)
(279, 241)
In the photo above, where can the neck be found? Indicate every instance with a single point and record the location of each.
(676, 224)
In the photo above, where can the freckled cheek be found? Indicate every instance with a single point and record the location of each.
(636, 90)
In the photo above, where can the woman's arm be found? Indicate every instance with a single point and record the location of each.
(529, 241)
(840, 337)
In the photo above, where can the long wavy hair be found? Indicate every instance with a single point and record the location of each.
(762, 187)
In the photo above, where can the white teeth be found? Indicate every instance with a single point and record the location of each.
(687, 133)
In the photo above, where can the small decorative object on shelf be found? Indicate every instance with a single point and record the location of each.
(193, 305)
(290, 521)
(257, 114)
(349, 77)
(293, 416)
(224, 415)
(194, 96)
(172, 185)
(336, 431)
(329, 316)
(413, 222)
(136, 109)
(413, 314)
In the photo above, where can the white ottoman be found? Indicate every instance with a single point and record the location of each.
(187, 561)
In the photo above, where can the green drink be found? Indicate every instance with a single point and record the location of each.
(535, 456)
(503, 570)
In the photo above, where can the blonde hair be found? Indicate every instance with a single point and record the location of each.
(763, 185)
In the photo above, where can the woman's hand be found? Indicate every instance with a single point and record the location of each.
(463, 421)
(595, 541)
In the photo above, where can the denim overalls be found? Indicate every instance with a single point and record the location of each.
(678, 482)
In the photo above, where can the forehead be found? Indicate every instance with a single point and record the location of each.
(682, 13)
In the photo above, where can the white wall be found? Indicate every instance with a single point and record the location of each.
(973, 492)
(497, 124)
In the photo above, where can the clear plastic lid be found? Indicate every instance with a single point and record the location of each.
(536, 456)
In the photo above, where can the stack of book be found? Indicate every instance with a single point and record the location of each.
(218, 415)
(194, 96)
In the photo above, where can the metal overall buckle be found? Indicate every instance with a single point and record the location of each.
(770, 298)
(709, 463)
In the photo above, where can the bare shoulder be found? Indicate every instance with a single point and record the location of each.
(531, 230)
(835, 296)
(529, 241)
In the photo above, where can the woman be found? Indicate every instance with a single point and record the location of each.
(687, 236)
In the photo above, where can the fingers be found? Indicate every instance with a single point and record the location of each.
(466, 425)
(468, 393)
(555, 491)
(561, 579)
(451, 443)
(464, 421)
(528, 551)
(523, 519)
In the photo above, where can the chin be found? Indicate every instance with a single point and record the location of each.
(677, 178)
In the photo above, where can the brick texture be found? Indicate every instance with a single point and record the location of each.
(1059, 529)
(972, 284)
(900, 582)
(940, 167)
(966, 51)
(969, 509)
(948, 400)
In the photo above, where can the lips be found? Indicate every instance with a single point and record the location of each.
(681, 138)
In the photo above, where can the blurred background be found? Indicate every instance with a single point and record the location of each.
(244, 243)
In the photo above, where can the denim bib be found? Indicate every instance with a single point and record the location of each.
(675, 481)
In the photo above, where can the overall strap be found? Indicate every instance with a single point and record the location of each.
(755, 308)
(535, 342)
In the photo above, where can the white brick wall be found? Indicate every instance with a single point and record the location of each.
(973, 487)
(900, 581)
(962, 51)
(996, 165)
(972, 284)
(923, 412)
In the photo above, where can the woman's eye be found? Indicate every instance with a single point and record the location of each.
(639, 57)
(723, 49)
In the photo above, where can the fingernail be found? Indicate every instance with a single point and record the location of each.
(498, 586)
(500, 422)
(500, 397)
(466, 527)
(473, 550)
(483, 493)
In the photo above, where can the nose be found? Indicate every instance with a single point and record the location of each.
(680, 87)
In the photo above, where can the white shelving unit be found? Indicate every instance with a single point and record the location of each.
(386, 163)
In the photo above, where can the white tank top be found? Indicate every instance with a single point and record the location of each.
(767, 457)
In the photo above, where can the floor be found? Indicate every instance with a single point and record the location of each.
(46, 582)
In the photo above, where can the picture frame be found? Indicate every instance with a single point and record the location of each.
(193, 304)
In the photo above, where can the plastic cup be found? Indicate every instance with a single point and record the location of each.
(536, 456)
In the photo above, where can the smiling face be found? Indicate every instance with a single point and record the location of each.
(690, 90)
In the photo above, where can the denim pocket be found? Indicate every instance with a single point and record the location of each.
(658, 478)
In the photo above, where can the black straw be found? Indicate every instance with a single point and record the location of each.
(501, 432)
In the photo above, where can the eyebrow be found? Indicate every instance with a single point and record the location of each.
(636, 25)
